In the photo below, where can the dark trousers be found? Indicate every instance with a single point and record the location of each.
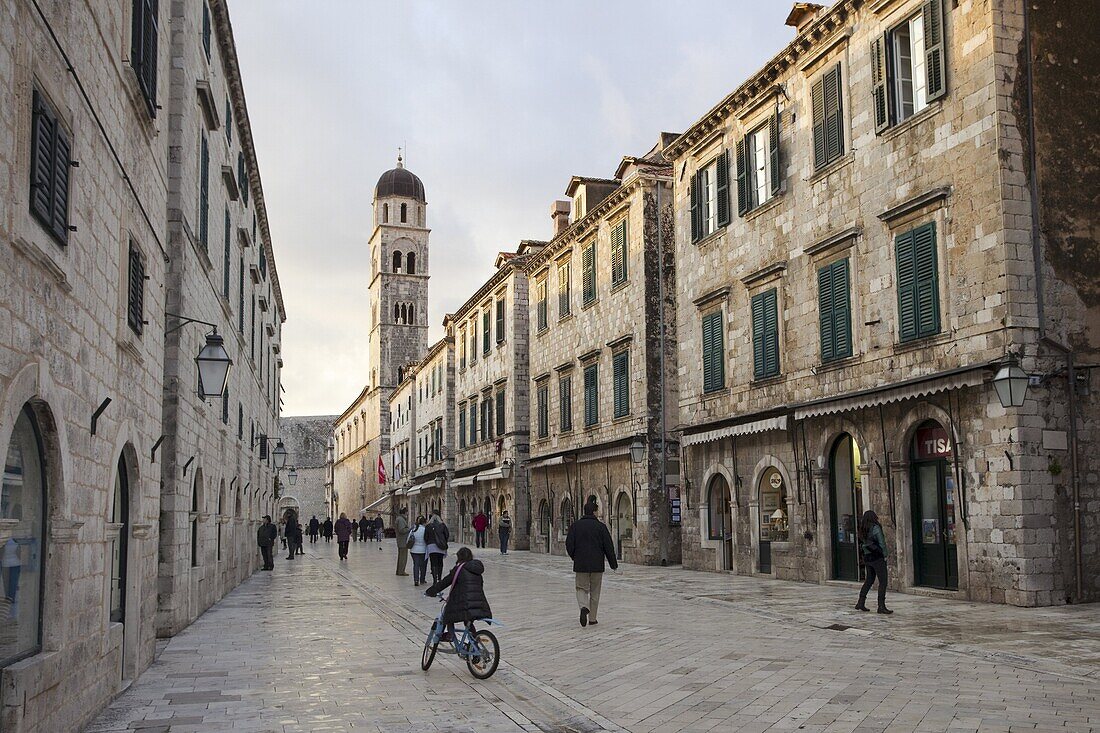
(436, 559)
(292, 545)
(504, 537)
(420, 564)
(362, 535)
(343, 549)
(312, 537)
(875, 569)
(479, 540)
(269, 562)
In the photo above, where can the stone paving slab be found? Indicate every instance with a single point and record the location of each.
(321, 645)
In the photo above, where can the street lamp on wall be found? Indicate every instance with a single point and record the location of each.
(213, 360)
(637, 449)
(292, 476)
(506, 467)
(1010, 384)
(279, 455)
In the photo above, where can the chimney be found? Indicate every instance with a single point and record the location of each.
(802, 14)
(559, 212)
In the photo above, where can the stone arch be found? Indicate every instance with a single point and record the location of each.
(767, 461)
(829, 433)
(410, 263)
(397, 261)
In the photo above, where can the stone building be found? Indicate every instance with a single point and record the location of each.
(491, 401)
(597, 386)
(402, 430)
(92, 211)
(398, 295)
(868, 232)
(304, 484)
(216, 468)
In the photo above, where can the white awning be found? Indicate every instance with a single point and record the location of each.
(413, 491)
(491, 475)
(748, 428)
(463, 481)
(897, 394)
(374, 504)
(599, 455)
(542, 462)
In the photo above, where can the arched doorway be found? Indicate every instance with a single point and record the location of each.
(544, 521)
(720, 519)
(624, 522)
(22, 540)
(463, 520)
(774, 523)
(932, 499)
(846, 507)
(120, 516)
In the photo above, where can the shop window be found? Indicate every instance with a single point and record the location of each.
(23, 507)
(717, 509)
(774, 517)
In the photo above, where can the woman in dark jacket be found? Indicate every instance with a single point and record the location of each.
(466, 601)
(872, 543)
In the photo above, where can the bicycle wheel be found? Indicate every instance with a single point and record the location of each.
(484, 660)
(430, 646)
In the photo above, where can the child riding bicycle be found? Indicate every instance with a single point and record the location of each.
(466, 601)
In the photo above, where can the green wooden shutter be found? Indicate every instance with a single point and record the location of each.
(500, 412)
(500, 320)
(765, 335)
(240, 297)
(723, 193)
(206, 30)
(825, 312)
(462, 426)
(842, 310)
(225, 260)
(591, 395)
(696, 209)
(714, 376)
(228, 122)
(486, 331)
(934, 49)
(588, 266)
(204, 191)
(543, 414)
(618, 253)
(773, 150)
(565, 403)
(135, 307)
(743, 201)
(42, 145)
(834, 115)
(621, 383)
(817, 100)
(926, 280)
(906, 286)
(879, 93)
(563, 290)
(61, 162)
(242, 175)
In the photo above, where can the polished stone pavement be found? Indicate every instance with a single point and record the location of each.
(320, 645)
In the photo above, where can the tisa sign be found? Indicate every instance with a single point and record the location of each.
(931, 443)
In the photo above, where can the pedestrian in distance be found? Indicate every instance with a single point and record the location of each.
(466, 601)
(364, 527)
(872, 543)
(282, 532)
(504, 531)
(265, 538)
(293, 533)
(326, 529)
(379, 527)
(589, 544)
(481, 523)
(344, 534)
(314, 528)
(436, 535)
(417, 545)
(401, 535)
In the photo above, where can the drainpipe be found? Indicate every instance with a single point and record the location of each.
(664, 512)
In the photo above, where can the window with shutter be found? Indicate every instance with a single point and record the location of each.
(588, 274)
(242, 177)
(135, 305)
(541, 305)
(500, 320)
(907, 66)
(240, 421)
(225, 259)
(225, 406)
(620, 364)
(206, 30)
(722, 189)
(50, 163)
(228, 122)
(204, 191)
(473, 340)
(618, 253)
(834, 306)
(918, 283)
(473, 422)
(765, 335)
(564, 285)
(543, 412)
(591, 395)
(462, 425)
(143, 49)
(714, 354)
(696, 209)
(486, 331)
(757, 166)
(828, 117)
(565, 403)
(500, 412)
(240, 299)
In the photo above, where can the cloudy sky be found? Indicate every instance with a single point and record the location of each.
(499, 104)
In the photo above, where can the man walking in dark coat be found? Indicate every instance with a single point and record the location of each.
(379, 527)
(589, 544)
(293, 536)
(326, 529)
(314, 528)
(364, 528)
(344, 532)
(265, 538)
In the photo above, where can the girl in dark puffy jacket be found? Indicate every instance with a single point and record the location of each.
(466, 601)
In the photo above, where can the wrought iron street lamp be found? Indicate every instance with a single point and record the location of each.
(213, 360)
(1010, 383)
(292, 476)
(279, 455)
(637, 449)
(506, 468)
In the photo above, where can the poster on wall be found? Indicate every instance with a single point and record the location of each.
(930, 531)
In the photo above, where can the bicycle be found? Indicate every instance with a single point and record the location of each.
(479, 648)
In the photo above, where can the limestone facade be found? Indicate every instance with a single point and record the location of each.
(91, 420)
(595, 363)
(907, 228)
(491, 403)
(304, 485)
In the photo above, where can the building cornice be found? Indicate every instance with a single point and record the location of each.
(515, 264)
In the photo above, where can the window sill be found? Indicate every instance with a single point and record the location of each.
(593, 426)
(904, 347)
(837, 364)
(565, 317)
(763, 208)
(542, 331)
(714, 394)
(589, 304)
(619, 286)
(841, 162)
(766, 381)
(709, 238)
(38, 256)
(621, 419)
(905, 125)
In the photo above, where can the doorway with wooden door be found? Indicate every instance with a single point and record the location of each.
(933, 500)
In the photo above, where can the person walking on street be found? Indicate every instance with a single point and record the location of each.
(504, 530)
(314, 528)
(326, 529)
(379, 527)
(364, 527)
(872, 543)
(436, 535)
(282, 532)
(419, 548)
(343, 534)
(293, 536)
(265, 538)
(589, 544)
(481, 523)
(401, 535)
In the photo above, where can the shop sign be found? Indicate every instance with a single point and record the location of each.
(931, 444)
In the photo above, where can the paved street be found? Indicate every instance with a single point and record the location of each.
(323, 646)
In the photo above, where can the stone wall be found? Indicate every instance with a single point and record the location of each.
(306, 440)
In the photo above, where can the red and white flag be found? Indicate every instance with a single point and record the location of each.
(381, 471)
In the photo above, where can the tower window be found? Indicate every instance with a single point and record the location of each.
(396, 313)
(410, 261)
(385, 213)
(397, 262)
(420, 215)
(404, 213)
